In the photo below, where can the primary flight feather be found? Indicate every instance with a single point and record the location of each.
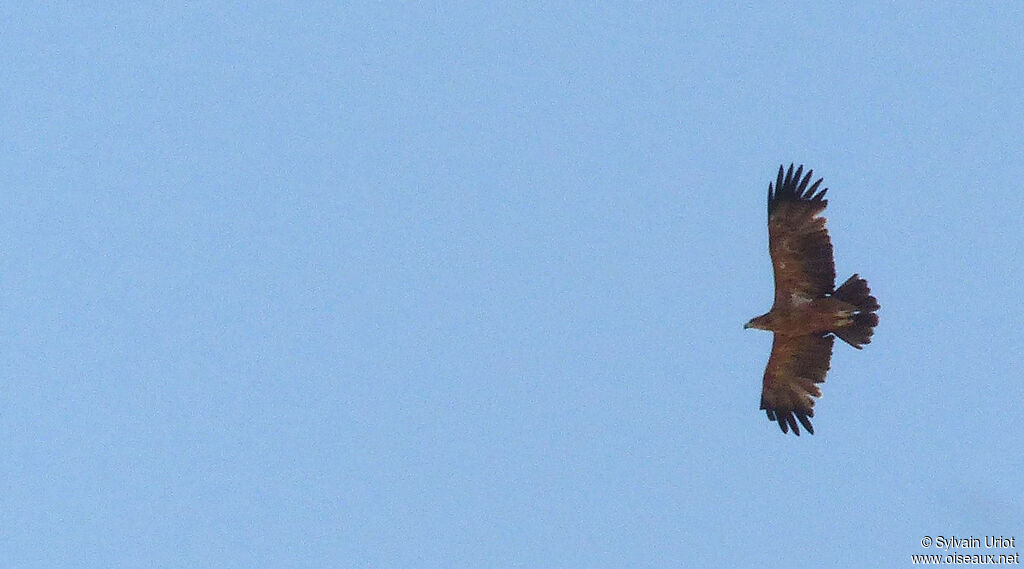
(808, 311)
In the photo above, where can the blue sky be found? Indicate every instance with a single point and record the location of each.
(445, 285)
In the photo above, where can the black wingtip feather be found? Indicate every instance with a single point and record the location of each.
(792, 424)
(806, 422)
(803, 182)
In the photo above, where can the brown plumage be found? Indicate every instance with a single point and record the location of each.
(808, 310)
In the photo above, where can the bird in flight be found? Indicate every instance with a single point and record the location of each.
(808, 312)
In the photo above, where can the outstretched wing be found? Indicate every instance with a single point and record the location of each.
(796, 366)
(797, 239)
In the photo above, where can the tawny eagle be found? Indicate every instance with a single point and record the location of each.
(808, 309)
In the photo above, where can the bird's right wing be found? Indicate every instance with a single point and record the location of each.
(796, 366)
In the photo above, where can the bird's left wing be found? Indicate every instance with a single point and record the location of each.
(797, 239)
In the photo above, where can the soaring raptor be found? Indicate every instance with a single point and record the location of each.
(808, 309)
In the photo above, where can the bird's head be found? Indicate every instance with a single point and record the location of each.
(761, 322)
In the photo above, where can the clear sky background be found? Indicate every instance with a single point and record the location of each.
(433, 285)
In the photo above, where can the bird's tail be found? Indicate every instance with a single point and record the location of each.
(856, 292)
